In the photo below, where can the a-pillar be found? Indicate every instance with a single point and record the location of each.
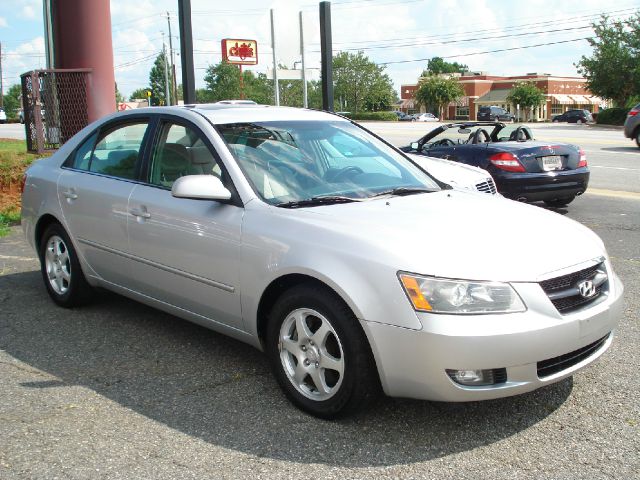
(82, 39)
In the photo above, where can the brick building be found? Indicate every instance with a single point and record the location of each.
(481, 89)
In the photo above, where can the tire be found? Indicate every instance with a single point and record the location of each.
(638, 137)
(555, 120)
(319, 353)
(61, 271)
(560, 202)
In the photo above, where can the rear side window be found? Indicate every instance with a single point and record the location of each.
(82, 156)
(117, 150)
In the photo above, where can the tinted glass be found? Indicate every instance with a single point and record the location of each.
(180, 151)
(82, 156)
(117, 151)
(291, 161)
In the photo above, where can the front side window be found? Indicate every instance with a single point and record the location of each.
(299, 160)
(180, 151)
(117, 150)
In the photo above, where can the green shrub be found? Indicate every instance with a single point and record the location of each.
(612, 116)
(382, 116)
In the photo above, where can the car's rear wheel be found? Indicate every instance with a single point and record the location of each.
(638, 137)
(560, 202)
(61, 270)
(319, 353)
(555, 120)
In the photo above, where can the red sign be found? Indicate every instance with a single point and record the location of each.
(240, 52)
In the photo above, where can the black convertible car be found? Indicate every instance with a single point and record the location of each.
(524, 169)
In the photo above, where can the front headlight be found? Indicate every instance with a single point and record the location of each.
(443, 295)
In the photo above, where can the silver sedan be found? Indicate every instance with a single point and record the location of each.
(301, 233)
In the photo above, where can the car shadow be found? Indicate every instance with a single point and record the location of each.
(632, 148)
(219, 390)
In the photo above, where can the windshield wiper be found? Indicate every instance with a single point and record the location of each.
(320, 200)
(401, 191)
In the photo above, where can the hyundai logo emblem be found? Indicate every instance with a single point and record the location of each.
(587, 289)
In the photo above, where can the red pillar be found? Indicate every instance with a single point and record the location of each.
(82, 39)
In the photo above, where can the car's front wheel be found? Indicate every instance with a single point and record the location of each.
(560, 202)
(638, 137)
(319, 353)
(61, 270)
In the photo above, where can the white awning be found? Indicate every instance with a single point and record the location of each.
(407, 103)
(562, 99)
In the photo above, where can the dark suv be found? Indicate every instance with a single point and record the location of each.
(493, 114)
(574, 116)
(632, 124)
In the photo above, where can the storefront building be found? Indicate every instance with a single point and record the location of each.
(481, 89)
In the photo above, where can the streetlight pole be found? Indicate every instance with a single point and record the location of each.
(305, 102)
(167, 99)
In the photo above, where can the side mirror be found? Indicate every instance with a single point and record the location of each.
(414, 146)
(200, 187)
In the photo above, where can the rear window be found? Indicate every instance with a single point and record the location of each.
(484, 110)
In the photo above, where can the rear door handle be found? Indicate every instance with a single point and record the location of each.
(142, 212)
(70, 194)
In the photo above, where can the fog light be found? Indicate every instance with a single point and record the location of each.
(478, 378)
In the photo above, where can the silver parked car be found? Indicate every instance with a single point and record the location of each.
(304, 235)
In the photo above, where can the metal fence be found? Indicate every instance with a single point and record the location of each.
(55, 106)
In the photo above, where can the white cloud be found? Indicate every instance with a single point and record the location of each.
(3, 22)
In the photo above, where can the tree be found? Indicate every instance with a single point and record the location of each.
(360, 84)
(223, 83)
(613, 70)
(139, 94)
(157, 81)
(438, 91)
(438, 65)
(119, 97)
(12, 100)
(527, 95)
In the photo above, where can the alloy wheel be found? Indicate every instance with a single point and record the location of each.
(311, 354)
(58, 265)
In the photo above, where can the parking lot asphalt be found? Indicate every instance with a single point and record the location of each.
(117, 390)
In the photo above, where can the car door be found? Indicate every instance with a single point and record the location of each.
(186, 252)
(93, 192)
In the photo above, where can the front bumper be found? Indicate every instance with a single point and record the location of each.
(413, 363)
(533, 187)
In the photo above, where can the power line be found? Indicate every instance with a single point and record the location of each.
(555, 21)
(488, 51)
(448, 42)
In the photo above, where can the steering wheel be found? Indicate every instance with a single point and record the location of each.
(343, 173)
(445, 142)
(481, 136)
(520, 134)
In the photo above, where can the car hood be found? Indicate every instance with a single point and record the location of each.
(453, 234)
(453, 173)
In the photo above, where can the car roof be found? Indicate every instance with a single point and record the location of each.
(218, 113)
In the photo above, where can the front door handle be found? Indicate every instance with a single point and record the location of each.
(140, 212)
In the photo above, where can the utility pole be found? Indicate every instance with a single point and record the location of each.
(167, 99)
(275, 65)
(326, 56)
(174, 85)
(305, 102)
(186, 52)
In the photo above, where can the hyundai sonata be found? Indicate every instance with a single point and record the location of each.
(306, 236)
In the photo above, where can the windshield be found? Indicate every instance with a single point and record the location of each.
(300, 160)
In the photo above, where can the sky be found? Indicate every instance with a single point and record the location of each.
(399, 34)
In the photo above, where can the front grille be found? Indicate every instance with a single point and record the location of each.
(487, 186)
(554, 365)
(564, 293)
